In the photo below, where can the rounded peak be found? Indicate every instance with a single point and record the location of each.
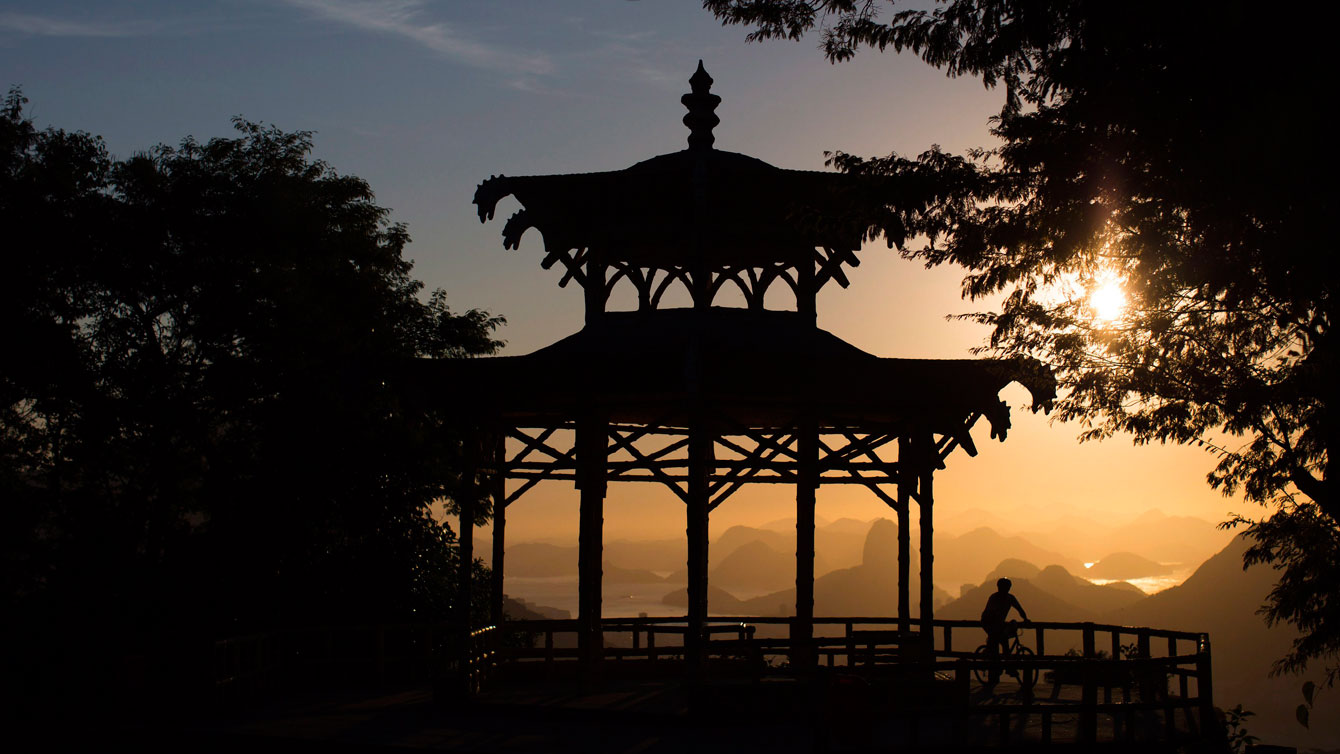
(1013, 568)
(881, 544)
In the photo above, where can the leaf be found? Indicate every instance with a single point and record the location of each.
(1301, 713)
(1309, 688)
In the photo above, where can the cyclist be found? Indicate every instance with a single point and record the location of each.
(998, 631)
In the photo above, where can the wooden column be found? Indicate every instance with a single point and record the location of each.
(465, 539)
(906, 480)
(807, 483)
(592, 453)
(499, 528)
(700, 468)
(926, 504)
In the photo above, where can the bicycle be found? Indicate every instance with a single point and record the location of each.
(981, 671)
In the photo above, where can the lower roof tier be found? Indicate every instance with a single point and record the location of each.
(747, 368)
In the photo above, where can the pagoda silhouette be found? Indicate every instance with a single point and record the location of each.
(708, 398)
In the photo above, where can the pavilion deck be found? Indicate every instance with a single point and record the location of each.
(877, 684)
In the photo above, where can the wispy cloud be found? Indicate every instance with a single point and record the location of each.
(46, 26)
(405, 18)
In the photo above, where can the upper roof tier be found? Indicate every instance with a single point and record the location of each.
(698, 207)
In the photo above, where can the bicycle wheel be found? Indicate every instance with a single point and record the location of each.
(1027, 675)
(981, 667)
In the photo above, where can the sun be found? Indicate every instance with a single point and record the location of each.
(1107, 301)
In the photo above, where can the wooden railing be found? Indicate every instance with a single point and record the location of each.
(1123, 674)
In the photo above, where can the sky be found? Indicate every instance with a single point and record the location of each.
(426, 99)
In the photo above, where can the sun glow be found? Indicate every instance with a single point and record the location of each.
(1107, 300)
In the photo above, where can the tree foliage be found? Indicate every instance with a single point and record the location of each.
(1174, 149)
(196, 428)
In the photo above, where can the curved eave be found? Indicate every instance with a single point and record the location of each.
(731, 209)
(758, 381)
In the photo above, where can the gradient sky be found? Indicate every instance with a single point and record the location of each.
(426, 99)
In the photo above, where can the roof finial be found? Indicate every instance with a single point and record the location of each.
(701, 104)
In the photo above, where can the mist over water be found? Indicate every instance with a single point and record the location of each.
(1152, 584)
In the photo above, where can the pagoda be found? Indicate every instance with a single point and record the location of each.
(708, 398)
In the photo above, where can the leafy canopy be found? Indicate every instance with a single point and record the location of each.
(195, 420)
(1178, 150)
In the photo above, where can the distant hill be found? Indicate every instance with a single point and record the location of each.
(1084, 594)
(534, 559)
(1047, 594)
(516, 608)
(971, 556)
(719, 601)
(1039, 604)
(846, 525)
(738, 536)
(1126, 565)
(1152, 535)
(954, 521)
(836, 545)
(1012, 568)
(789, 524)
(647, 554)
(1169, 539)
(869, 589)
(1221, 598)
(757, 567)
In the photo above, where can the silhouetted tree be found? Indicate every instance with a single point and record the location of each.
(1177, 149)
(197, 431)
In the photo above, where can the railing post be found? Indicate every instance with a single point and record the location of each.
(851, 645)
(906, 481)
(1116, 656)
(499, 492)
(1205, 686)
(807, 485)
(1088, 716)
(701, 466)
(925, 507)
(592, 456)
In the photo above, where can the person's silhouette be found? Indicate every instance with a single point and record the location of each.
(998, 631)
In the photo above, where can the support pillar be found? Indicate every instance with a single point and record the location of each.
(700, 467)
(465, 500)
(926, 504)
(906, 479)
(807, 484)
(499, 529)
(592, 454)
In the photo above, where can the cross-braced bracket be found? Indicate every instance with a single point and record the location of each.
(658, 452)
